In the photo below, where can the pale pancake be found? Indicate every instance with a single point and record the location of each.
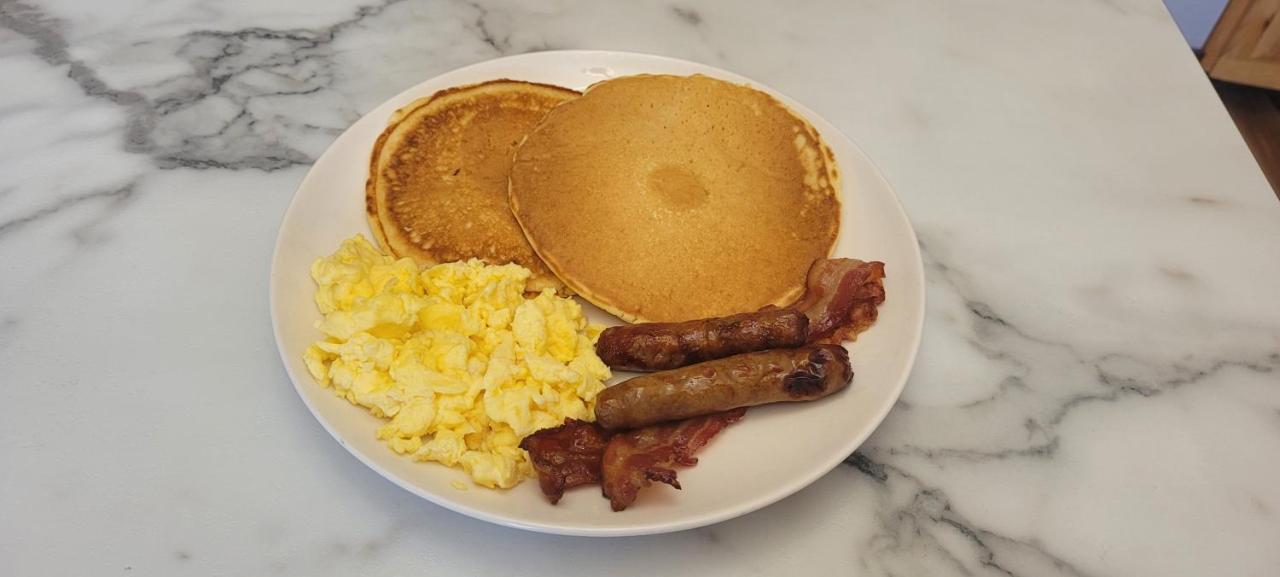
(437, 188)
(668, 198)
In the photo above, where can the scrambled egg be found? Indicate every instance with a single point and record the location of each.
(454, 356)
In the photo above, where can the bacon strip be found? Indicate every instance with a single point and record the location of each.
(840, 299)
(566, 456)
(632, 461)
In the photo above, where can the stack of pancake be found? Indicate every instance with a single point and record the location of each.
(657, 198)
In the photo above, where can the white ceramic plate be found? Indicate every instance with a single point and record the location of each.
(774, 452)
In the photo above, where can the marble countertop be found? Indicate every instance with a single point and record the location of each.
(1098, 392)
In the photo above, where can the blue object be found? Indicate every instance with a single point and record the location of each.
(1196, 18)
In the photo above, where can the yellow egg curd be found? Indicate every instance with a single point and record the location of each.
(455, 358)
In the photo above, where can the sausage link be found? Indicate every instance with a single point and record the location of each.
(745, 380)
(662, 346)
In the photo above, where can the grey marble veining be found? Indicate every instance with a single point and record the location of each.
(1098, 392)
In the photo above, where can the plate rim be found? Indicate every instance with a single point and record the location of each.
(783, 491)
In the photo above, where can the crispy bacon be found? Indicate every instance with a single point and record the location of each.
(633, 460)
(840, 299)
(566, 456)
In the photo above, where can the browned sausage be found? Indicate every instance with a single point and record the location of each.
(802, 374)
(662, 346)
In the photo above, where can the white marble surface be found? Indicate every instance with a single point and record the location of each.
(1098, 392)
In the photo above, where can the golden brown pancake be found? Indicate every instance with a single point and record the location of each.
(437, 188)
(669, 198)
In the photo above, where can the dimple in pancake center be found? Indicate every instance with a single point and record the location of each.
(677, 188)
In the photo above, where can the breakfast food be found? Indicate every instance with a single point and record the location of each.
(841, 299)
(455, 357)
(582, 453)
(661, 346)
(669, 198)
(660, 199)
(781, 375)
(635, 459)
(437, 188)
(566, 456)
